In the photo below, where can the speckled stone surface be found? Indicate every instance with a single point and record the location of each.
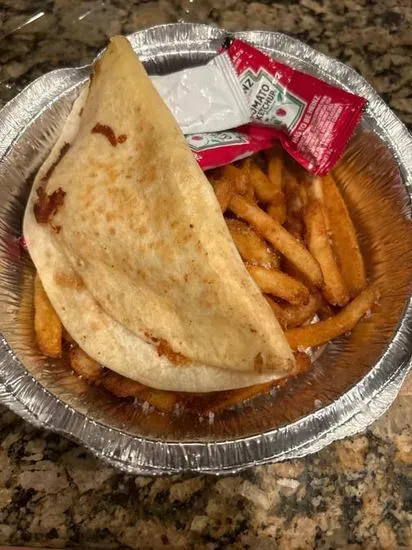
(356, 494)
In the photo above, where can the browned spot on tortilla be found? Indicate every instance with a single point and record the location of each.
(97, 68)
(106, 131)
(258, 363)
(68, 281)
(81, 112)
(46, 206)
(163, 348)
(55, 228)
(51, 169)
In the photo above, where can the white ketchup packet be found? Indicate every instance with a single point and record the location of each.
(208, 98)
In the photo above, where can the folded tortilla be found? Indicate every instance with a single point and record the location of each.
(133, 251)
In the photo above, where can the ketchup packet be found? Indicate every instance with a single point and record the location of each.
(213, 149)
(312, 119)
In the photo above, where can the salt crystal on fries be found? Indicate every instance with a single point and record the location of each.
(317, 240)
(47, 325)
(279, 284)
(324, 331)
(343, 234)
(279, 237)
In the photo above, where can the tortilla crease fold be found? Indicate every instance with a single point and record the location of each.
(133, 250)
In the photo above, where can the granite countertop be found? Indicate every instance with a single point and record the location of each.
(356, 494)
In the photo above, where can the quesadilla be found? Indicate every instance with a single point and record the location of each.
(133, 251)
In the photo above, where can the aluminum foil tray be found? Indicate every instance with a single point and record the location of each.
(351, 383)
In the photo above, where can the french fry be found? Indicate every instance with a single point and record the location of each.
(320, 333)
(277, 209)
(279, 284)
(295, 316)
(250, 192)
(302, 362)
(224, 191)
(83, 365)
(251, 247)
(281, 240)
(277, 311)
(161, 400)
(317, 240)
(345, 243)
(325, 310)
(262, 185)
(120, 386)
(226, 399)
(275, 168)
(47, 326)
(237, 177)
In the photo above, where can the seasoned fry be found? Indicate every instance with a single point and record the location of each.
(317, 240)
(226, 399)
(297, 315)
(277, 209)
(282, 241)
(275, 164)
(83, 365)
(325, 310)
(47, 326)
(124, 387)
(121, 386)
(262, 185)
(275, 169)
(251, 247)
(292, 194)
(345, 244)
(278, 312)
(237, 176)
(224, 191)
(250, 192)
(302, 361)
(162, 400)
(279, 284)
(320, 333)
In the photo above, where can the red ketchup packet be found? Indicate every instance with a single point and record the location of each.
(312, 119)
